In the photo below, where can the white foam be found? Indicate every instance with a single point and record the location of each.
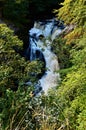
(50, 79)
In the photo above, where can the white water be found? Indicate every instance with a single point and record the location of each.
(51, 78)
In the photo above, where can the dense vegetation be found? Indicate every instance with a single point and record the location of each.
(20, 10)
(14, 72)
(63, 108)
(22, 13)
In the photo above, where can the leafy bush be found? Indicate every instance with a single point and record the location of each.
(14, 72)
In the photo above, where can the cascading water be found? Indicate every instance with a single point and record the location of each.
(49, 30)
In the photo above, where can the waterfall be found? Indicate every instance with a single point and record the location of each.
(48, 30)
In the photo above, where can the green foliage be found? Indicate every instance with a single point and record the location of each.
(14, 107)
(70, 97)
(14, 72)
(23, 11)
(11, 64)
(62, 51)
(16, 11)
(63, 107)
(35, 69)
(74, 12)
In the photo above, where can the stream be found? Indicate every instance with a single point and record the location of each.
(41, 37)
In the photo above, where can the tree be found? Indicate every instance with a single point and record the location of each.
(17, 11)
(14, 72)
